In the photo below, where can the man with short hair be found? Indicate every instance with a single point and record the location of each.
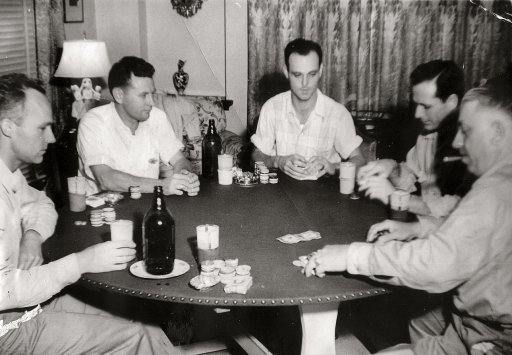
(27, 218)
(469, 255)
(437, 87)
(303, 132)
(123, 144)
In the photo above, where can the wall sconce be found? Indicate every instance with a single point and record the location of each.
(186, 8)
(83, 59)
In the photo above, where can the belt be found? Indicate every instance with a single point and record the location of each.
(15, 324)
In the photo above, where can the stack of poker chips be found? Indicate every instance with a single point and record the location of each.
(96, 218)
(135, 192)
(109, 215)
(272, 178)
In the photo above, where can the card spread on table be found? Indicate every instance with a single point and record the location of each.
(301, 237)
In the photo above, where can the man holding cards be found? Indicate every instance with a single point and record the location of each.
(124, 143)
(303, 132)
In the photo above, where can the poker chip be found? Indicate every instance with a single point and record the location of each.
(80, 223)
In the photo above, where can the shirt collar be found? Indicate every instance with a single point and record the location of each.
(119, 122)
(319, 108)
(9, 179)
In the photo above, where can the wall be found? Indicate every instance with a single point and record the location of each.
(153, 30)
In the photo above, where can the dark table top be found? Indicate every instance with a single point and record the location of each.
(250, 220)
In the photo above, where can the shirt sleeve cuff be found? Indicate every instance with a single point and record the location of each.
(358, 258)
(356, 143)
(258, 142)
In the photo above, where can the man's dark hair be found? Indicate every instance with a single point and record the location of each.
(121, 72)
(303, 47)
(448, 76)
(13, 92)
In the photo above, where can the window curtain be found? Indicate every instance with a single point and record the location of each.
(49, 38)
(371, 46)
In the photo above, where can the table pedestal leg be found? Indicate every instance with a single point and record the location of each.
(318, 328)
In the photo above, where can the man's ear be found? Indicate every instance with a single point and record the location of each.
(6, 127)
(118, 95)
(321, 70)
(498, 131)
(285, 71)
(452, 101)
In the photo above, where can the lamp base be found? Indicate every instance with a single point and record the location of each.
(226, 104)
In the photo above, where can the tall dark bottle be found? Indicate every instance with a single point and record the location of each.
(158, 236)
(211, 149)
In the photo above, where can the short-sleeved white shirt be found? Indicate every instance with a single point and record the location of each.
(329, 131)
(103, 138)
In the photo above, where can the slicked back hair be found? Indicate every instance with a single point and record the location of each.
(498, 96)
(121, 72)
(13, 93)
(448, 76)
(303, 47)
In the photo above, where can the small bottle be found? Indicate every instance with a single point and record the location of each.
(212, 147)
(158, 236)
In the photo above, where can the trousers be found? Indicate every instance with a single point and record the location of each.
(70, 326)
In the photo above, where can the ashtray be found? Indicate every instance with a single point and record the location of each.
(246, 179)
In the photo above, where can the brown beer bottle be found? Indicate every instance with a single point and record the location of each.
(212, 147)
(158, 236)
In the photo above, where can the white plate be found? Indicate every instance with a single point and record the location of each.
(139, 269)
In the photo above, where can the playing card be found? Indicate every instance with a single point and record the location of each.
(310, 235)
(289, 239)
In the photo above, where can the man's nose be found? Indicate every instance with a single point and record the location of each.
(150, 100)
(458, 141)
(419, 112)
(49, 138)
(304, 80)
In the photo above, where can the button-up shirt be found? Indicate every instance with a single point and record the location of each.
(328, 132)
(22, 208)
(103, 139)
(471, 252)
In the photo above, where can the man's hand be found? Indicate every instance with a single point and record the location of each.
(30, 250)
(330, 258)
(107, 256)
(378, 188)
(293, 165)
(179, 183)
(319, 166)
(392, 230)
(380, 168)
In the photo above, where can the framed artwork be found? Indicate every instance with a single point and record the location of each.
(73, 11)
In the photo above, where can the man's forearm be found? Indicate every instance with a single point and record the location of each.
(115, 180)
(182, 164)
(418, 206)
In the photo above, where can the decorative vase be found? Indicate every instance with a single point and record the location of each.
(180, 78)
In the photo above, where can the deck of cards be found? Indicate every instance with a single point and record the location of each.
(301, 237)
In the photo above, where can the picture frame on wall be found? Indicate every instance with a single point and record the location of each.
(73, 11)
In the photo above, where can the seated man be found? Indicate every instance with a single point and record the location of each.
(27, 218)
(122, 144)
(303, 132)
(437, 88)
(470, 254)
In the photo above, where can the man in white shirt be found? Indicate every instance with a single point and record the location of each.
(303, 132)
(469, 255)
(124, 143)
(431, 165)
(27, 218)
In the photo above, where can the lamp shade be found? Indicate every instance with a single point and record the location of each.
(83, 59)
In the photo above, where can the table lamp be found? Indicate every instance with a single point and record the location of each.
(83, 59)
